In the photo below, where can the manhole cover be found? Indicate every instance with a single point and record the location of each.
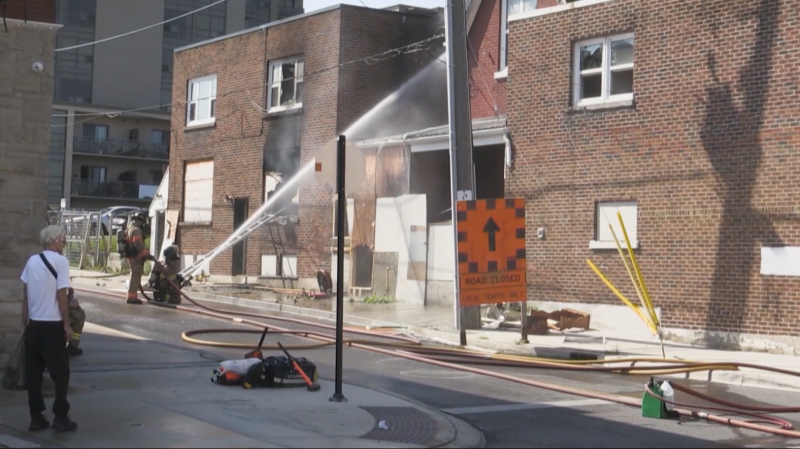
(400, 425)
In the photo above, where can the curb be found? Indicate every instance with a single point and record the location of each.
(744, 377)
(294, 310)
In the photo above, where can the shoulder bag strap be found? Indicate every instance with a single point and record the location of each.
(49, 267)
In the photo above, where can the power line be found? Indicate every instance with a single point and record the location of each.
(140, 29)
(372, 59)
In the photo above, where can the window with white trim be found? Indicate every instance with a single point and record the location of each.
(605, 215)
(202, 101)
(285, 85)
(510, 8)
(198, 190)
(604, 70)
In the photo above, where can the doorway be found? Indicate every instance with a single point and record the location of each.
(239, 249)
(161, 222)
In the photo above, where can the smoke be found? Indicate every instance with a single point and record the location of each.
(419, 103)
(282, 146)
(282, 156)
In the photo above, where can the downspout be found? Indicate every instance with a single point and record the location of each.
(509, 159)
(407, 148)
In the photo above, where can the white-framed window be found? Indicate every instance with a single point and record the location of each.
(198, 190)
(285, 84)
(202, 101)
(511, 8)
(604, 70)
(605, 215)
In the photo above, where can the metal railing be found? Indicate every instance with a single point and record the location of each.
(83, 238)
(112, 189)
(126, 148)
(91, 236)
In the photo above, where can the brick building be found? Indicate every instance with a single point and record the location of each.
(27, 41)
(260, 104)
(683, 116)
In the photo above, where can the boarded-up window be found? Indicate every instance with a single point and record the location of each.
(606, 214)
(198, 190)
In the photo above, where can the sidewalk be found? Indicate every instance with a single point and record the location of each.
(130, 392)
(435, 324)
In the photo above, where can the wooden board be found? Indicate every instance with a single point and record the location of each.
(363, 236)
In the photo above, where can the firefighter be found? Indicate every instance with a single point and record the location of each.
(165, 280)
(137, 253)
(77, 318)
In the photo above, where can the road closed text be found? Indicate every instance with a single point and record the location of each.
(480, 281)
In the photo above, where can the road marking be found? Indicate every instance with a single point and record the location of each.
(516, 407)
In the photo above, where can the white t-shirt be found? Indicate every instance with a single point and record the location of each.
(42, 285)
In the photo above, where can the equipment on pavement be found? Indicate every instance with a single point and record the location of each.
(257, 354)
(312, 386)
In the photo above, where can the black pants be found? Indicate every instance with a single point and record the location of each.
(46, 347)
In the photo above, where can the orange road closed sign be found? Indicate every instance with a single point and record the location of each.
(491, 251)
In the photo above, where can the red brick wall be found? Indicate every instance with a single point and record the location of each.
(32, 10)
(238, 140)
(483, 55)
(709, 151)
(333, 98)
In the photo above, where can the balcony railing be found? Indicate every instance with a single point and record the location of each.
(113, 189)
(126, 148)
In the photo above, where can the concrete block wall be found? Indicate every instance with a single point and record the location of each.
(25, 108)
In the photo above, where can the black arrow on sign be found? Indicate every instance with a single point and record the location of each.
(491, 228)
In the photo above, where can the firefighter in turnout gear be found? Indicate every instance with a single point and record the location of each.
(165, 280)
(137, 253)
(77, 319)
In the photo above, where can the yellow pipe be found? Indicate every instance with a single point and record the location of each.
(628, 268)
(622, 297)
(649, 303)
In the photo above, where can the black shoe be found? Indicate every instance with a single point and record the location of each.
(74, 352)
(64, 424)
(135, 301)
(38, 422)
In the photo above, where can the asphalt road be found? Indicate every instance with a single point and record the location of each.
(509, 414)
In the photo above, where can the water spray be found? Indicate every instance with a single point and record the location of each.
(258, 218)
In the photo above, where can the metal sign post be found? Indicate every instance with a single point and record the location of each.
(341, 210)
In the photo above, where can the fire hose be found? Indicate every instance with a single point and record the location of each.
(457, 359)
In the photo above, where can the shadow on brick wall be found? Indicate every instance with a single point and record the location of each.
(731, 138)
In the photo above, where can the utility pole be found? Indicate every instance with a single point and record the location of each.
(460, 121)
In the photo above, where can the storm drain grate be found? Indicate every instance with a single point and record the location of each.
(404, 425)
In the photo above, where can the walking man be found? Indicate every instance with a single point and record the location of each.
(45, 315)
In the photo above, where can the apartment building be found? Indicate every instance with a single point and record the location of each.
(102, 157)
(261, 104)
(683, 116)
